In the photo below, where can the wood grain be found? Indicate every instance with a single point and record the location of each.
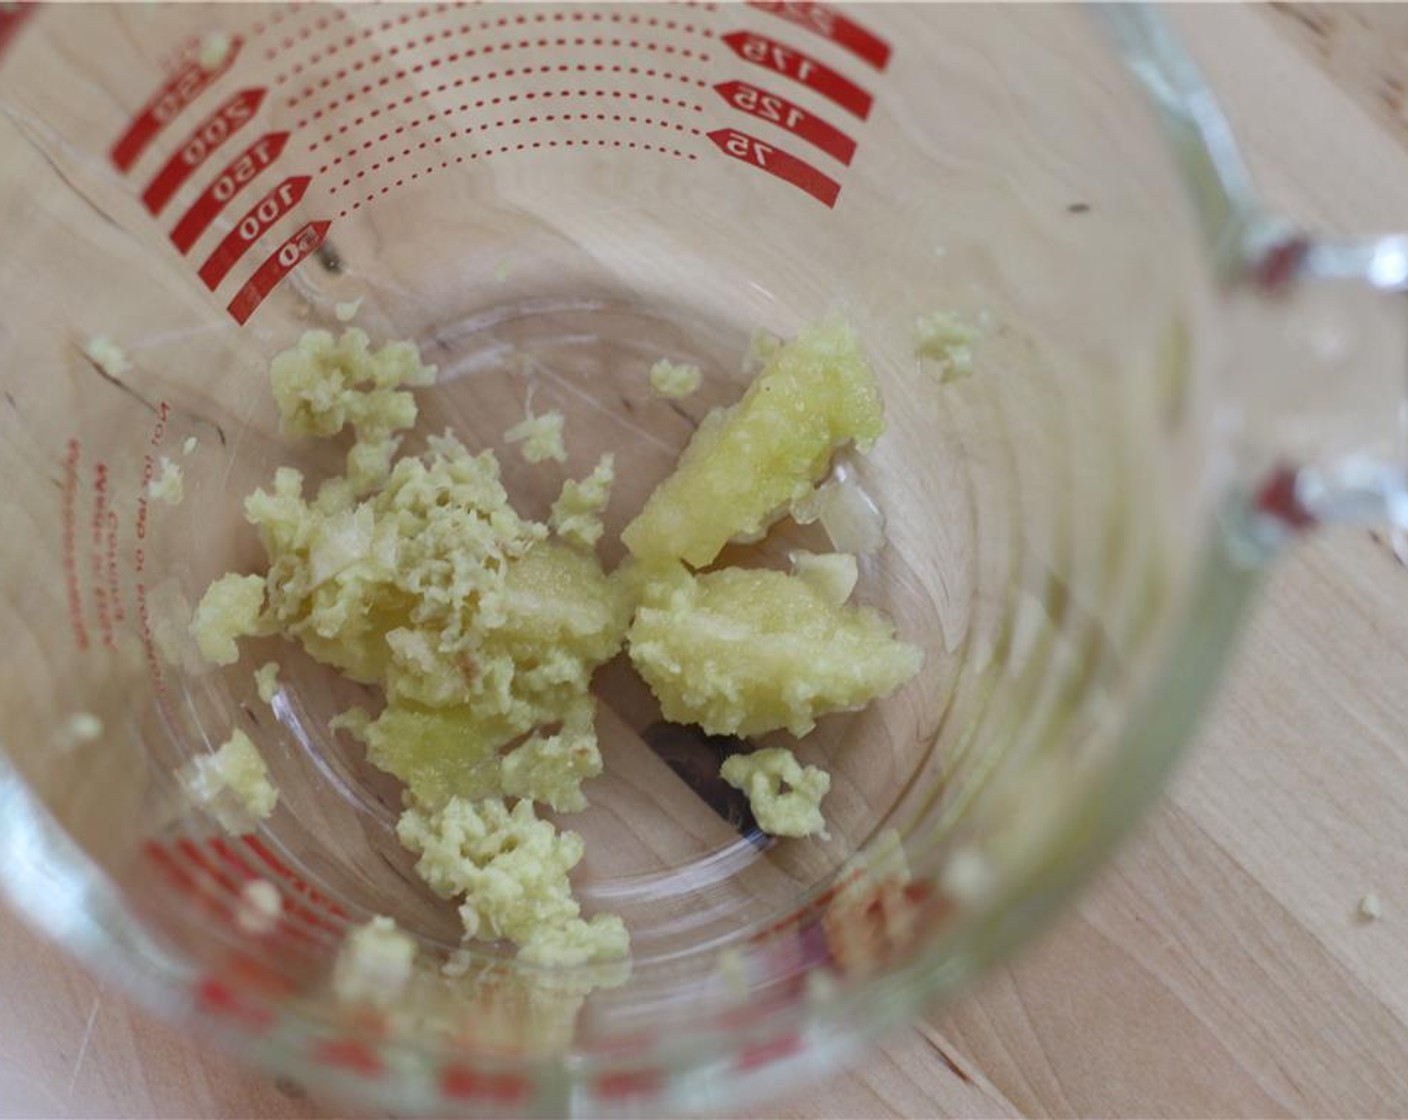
(1218, 967)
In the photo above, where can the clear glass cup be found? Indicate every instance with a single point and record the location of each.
(548, 198)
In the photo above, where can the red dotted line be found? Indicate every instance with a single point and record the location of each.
(508, 99)
(330, 16)
(303, 34)
(487, 25)
(502, 48)
(261, 26)
(474, 79)
(550, 118)
(626, 145)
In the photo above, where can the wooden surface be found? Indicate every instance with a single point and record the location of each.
(1218, 967)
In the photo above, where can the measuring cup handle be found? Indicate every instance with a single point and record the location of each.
(1313, 395)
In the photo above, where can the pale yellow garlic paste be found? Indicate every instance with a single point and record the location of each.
(482, 628)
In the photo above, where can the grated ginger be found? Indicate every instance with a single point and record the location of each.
(947, 340)
(674, 380)
(169, 486)
(259, 907)
(483, 628)
(231, 608)
(266, 681)
(510, 869)
(107, 355)
(232, 785)
(324, 385)
(746, 464)
(745, 652)
(551, 768)
(784, 795)
(541, 437)
(576, 515)
(374, 965)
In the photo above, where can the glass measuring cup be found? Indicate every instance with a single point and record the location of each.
(1066, 531)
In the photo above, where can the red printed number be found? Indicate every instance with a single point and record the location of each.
(227, 184)
(773, 160)
(792, 63)
(252, 227)
(179, 92)
(280, 264)
(796, 120)
(233, 115)
(830, 24)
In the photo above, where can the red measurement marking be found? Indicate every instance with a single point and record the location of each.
(273, 862)
(348, 1054)
(766, 1053)
(423, 63)
(792, 63)
(503, 1088)
(11, 20)
(830, 24)
(75, 600)
(218, 998)
(487, 153)
(773, 160)
(98, 528)
(796, 120)
(200, 145)
(632, 1083)
(250, 228)
(119, 612)
(244, 167)
(291, 906)
(280, 263)
(179, 92)
(512, 98)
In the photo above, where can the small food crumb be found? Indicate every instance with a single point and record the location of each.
(675, 379)
(374, 965)
(946, 340)
(733, 971)
(108, 355)
(232, 785)
(189, 444)
(832, 574)
(81, 727)
(457, 964)
(214, 49)
(762, 347)
(967, 876)
(784, 795)
(169, 486)
(347, 310)
(541, 437)
(260, 906)
(576, 515)
(266, 681)
(1370, 908)
(229, 609)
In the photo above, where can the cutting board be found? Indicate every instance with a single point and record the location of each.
(1218, 967)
